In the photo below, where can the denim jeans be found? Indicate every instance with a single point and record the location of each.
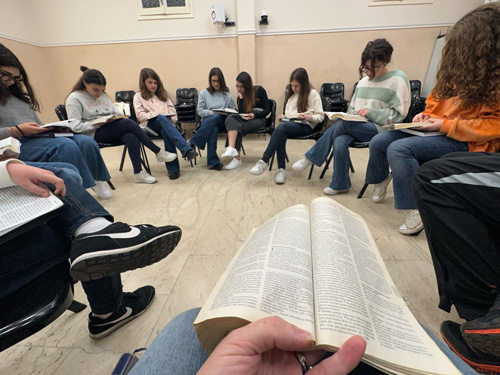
(207, 134)
(176, 350)
(172, 139)
(35, 252)
(339, 136)
(80, 150)
(277, 143)
(404, 153)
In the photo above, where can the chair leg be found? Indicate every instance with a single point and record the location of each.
(351, 166)
(76, 306)
(243, 149)
(271, 164)
(112, 187)
(362, 191)
(144, 159)
(124, 153)
(311, 171)
(328, 161)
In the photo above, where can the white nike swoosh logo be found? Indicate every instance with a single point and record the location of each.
(127, 314)
(134, 232)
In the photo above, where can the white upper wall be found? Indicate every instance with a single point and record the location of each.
(67, 22)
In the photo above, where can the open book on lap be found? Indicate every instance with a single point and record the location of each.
(20, 207)
(406, 125)
(107, 118)
(421, 133)
(224, 111)
(345, 116)
(319, 269)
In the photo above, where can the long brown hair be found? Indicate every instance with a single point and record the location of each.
(222, 82)
(161, 93)
(21, 90)
(249, 95)
(89, 76)
(300, 75)
(470, 64)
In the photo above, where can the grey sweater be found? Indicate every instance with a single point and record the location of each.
(15, 112)
(208, 102)
(82, 106)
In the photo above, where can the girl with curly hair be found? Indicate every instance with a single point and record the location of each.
(464, 105)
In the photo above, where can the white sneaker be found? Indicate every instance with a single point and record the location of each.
(259, 168)
(379, 190)
(165, 156)
(280, 176)
(235, 163)
(101, 190)
(230, 153)
(144, 177)
(302, 164)
(329, 191)
(413, 223)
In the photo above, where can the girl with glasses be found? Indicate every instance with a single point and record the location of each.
(215, 96)
(152, 106)
(382, 97)
(253, 103)
(19, 119)
(302, 103)
(88, 102)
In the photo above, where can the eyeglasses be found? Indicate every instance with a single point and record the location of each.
(214, 80)
(239, 86)
(366, 69)
(7, 77)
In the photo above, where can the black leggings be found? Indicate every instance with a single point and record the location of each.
(127, 132)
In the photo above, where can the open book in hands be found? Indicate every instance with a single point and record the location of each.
(224, 111)
(107, 118)
(406, 125)
(61, 128)
(9, 148)
(319, 269)
(345, 116)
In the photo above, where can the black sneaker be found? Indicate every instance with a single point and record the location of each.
(217, 167)
(119, 248)
(173, 175)
(483, 334)
(480, 362)
(133, 305)
(190, 155)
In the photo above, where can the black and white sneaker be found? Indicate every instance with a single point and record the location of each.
(119, 248)
(133, 305)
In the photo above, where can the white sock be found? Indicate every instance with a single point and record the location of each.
(93, 225)
(102, 316)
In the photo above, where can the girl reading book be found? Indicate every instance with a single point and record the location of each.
(382, 97)
(215, 96)
(88, 102)
(303, 103)
(253, 108)
(464, 104)
(155, 110)
(19, 119)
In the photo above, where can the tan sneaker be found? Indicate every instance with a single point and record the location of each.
(379, 190)
(413, 224)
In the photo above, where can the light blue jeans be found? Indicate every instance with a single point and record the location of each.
(404, 153)
(80, 150)
(339, 136)
(172, 139)
(207, 135)
(176, 350)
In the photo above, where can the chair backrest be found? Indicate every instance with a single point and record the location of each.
(127, 96)
(186, 96)
(271, 119)
(332, 97)
(61, 112)
(415, 87)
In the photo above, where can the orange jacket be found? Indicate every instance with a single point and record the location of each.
(478, 126)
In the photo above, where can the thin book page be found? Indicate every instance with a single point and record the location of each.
(406, 125)
(19, 206)
(355, 295)
(270, 275)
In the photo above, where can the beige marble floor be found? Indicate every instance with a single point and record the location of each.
(216, 211)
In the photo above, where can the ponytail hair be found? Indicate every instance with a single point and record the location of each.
(89, 76)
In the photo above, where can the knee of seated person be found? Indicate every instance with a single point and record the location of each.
(130, 139)
(85, 141)
(69, 174)
(396, 150)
